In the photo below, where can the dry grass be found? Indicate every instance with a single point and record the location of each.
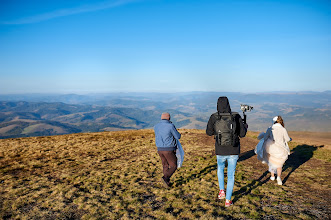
(116, 175)
(307, 137)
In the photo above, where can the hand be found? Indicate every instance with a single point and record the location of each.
(246, 126)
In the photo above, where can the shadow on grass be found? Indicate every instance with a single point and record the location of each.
(182, 180)
(245, 190)
(300, 155)
(208, 169)
(246, 155)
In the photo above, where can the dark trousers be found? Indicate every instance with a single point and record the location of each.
(169, 163)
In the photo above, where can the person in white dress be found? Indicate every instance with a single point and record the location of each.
(276, 149)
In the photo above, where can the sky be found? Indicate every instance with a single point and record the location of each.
(98, 46)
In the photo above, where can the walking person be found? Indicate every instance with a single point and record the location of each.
(276, 149)
(228, 127)
(166, 137)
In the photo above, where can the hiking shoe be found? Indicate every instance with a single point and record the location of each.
(279, 181)
(221, 194)
(228, 203)
(272, 178)
(165, 183)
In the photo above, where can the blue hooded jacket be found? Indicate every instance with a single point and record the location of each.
(166, 135)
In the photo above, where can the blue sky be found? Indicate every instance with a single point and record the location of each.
(85, 46)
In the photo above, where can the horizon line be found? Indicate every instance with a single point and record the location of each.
(164, 92)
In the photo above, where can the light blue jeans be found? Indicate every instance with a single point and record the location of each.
(232, 163)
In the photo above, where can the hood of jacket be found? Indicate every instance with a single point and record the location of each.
(223, 105)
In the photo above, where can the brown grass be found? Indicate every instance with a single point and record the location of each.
(116, 175)
(307, 137)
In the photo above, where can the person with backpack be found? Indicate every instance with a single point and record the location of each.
(166, 137)
(227, 127)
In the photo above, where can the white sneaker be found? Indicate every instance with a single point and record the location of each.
(272, 178)
(279, 181)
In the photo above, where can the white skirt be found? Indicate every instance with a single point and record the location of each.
(274, 155)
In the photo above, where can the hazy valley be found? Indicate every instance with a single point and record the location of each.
(41, 115)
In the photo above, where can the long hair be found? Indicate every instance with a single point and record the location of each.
(280, 121)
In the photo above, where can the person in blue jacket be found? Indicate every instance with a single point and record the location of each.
(166, 136)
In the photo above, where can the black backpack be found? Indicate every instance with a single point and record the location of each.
(225, 129)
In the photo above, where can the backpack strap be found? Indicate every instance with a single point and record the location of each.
(224, 114)
(219, 115)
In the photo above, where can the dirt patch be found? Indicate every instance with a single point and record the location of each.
(312, 138)
(306, 137)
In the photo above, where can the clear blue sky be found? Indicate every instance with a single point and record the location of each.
(83, 46)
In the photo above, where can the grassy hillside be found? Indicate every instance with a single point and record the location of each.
(30, 115)
(25, 128)
(302, 111)
(116, 175)
(27, 119)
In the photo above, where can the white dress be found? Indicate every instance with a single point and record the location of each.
(276, 149)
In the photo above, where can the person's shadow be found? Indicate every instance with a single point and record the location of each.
(208, 169)
(246, 155)
(299, 155)
(245, 190)
(211, 168)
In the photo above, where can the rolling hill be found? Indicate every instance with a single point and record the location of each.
(23, 119)
(35, 115)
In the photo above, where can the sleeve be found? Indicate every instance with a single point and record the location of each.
(210, 126)
(175, 133)
(286, 137)
(267, 134)
(242, 129)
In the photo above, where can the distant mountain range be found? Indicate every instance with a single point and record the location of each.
(41, 115)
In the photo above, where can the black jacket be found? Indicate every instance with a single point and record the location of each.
(223, 106)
